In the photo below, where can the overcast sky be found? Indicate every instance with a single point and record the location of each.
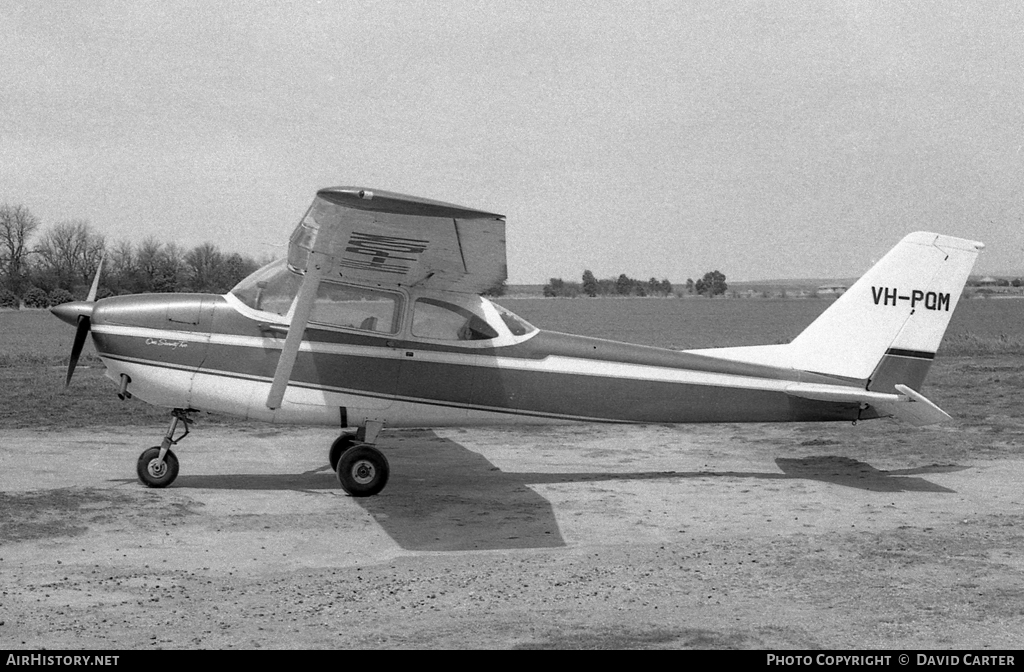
(766, 140)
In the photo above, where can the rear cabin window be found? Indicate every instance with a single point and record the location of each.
(356, 308)
(448, 322)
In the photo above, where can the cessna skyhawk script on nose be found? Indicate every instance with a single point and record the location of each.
(376, 320)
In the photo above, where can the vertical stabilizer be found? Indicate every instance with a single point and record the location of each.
(885, 329)
(899, 310)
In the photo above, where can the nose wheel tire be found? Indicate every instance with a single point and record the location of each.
(153, 471)
(363, 471)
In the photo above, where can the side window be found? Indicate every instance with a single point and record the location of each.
(446, 321)
(356, 308)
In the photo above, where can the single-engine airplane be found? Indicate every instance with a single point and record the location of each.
(375, 319)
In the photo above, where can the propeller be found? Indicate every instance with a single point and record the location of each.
(79, 314)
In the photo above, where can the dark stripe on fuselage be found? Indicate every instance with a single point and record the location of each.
(359, 393)
(477, 379)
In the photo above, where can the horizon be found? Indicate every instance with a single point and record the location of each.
(781, 141)
(790, 281)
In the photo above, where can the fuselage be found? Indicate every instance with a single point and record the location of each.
(216, 353)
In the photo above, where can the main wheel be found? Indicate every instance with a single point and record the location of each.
(154, 472)
(363, 471)
(340, 445)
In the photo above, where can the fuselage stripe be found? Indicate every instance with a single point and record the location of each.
(554, 364)
(363, 393)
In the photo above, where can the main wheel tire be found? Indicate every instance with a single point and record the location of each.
(363, 471)
(154, 473)
(340, 445)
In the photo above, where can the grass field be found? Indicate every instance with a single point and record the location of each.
(34, 347)
(980, 326)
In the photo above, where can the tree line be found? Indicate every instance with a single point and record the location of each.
(44, 267)
(712, 284)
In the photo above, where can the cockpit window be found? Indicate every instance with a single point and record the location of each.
(445, 321)
(356, 308)
(271, 288)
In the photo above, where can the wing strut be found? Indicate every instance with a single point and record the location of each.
(315, 268)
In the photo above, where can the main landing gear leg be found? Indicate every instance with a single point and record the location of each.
(362, 469)
(158, 466)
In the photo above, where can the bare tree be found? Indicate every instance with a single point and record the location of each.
(204, 261)
(160, 267)
(174, 269)
(233, 270)
(17, 224)
(69, 253)
(121, 272)
(147, 262)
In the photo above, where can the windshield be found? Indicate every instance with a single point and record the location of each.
(517, 325)
(271, 288)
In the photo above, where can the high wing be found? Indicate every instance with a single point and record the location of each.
(384, 238)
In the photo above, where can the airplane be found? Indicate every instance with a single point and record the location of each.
(375, 319)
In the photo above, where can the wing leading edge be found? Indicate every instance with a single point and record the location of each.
(384, 238)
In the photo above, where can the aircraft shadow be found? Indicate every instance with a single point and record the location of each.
(444, 497)
(307, 481)
(856, 474)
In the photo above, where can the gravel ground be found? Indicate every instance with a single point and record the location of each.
(711, 536)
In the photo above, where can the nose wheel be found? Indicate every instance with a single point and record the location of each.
(154, 471)
(158, 466)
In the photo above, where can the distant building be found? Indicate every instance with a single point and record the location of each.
(831, 290)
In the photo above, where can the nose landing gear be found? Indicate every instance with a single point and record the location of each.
(158, 466)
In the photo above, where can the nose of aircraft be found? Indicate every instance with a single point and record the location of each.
(70, 312)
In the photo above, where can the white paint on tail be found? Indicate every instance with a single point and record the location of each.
(904, 302)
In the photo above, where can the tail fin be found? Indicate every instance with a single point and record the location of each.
(887, 327)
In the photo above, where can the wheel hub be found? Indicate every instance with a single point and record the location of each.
(363, 472)
(156, 468)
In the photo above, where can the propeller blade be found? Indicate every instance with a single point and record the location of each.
(81, 332)
(80, 314)
(96, 280)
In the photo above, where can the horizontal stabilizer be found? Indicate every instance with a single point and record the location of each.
(915, 408)
(909, 405)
